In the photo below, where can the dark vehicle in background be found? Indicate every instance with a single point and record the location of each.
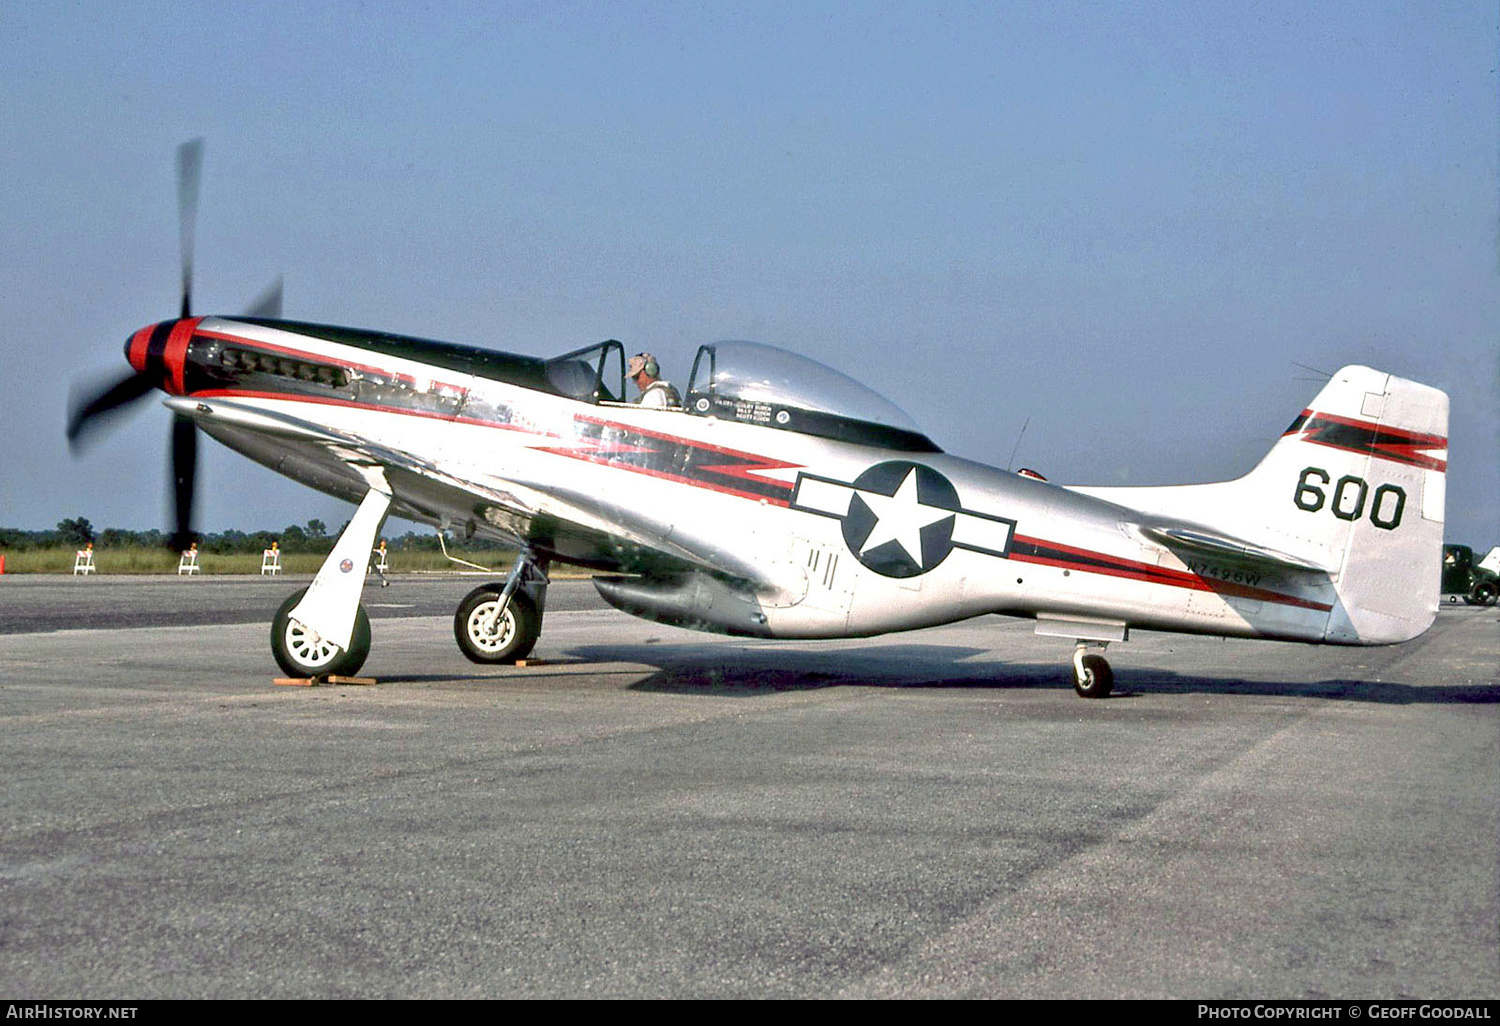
(1475, 583)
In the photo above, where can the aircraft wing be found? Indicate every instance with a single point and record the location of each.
(298, 435)
(577, 528)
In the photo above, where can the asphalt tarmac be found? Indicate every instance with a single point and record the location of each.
(656, 813)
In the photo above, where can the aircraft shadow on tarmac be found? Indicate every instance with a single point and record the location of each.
(750, 677)
(746, 672)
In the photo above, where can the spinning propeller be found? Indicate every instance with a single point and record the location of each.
(91, 412)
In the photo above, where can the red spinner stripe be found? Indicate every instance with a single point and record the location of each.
(175, 354)
(137, 349)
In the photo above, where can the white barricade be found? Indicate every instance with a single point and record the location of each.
(188, 564)
(83, 562)
(270, 561)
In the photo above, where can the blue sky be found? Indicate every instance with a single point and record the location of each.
(1129, 223)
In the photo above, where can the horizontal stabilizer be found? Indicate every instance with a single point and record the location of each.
(1225, 546)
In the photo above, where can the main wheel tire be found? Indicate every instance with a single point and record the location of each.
(1097, 680)
(512, 635)
(300, 654)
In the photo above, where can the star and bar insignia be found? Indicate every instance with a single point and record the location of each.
(902, 519)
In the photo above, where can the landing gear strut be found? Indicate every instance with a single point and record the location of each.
(499, 623)
(322, 630)
(1092, 677)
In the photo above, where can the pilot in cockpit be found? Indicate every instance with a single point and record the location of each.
(655, 393)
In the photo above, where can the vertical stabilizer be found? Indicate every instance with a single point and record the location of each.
(1371, 454)
(1356, 486)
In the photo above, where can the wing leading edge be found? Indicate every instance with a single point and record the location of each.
(568, 525)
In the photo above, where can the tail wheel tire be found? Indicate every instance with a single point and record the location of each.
(1097, 679)
(484, 638)
(301, 653)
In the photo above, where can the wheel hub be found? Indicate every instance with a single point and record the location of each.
(308, 647)
(488, 631)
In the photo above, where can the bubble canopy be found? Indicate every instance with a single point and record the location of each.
(755, 383)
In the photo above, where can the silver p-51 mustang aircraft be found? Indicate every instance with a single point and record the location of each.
(784, 500)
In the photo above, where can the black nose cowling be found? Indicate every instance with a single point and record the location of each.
(157, 355)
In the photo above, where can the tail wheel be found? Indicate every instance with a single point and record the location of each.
(1092, 677)
(301, 653)
(485, 638)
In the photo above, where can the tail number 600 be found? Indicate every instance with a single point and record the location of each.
(1350, 495)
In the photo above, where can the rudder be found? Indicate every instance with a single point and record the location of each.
(1370, 454)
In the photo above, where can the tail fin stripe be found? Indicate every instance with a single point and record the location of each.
(1412, 448)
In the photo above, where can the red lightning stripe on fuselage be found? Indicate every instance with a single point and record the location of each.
(1067, 557)
(595, 452)
(673, 458)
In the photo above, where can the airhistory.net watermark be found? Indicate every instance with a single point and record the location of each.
(67, 1010)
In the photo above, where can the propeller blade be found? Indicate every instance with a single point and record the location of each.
(184, 475)
(85, 416)
(189, 171)
(268, 303)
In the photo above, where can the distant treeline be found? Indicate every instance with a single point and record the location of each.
(310, 537)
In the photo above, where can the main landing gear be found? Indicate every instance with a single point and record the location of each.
(1092, 677)
(322, 630)
(498, 623)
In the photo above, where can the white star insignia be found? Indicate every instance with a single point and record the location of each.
(900, 518)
